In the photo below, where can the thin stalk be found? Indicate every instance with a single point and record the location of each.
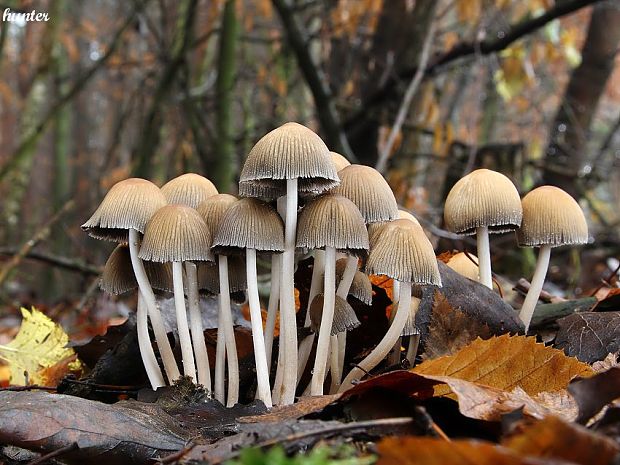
(151, 366)
(384, 346)
(263, 391)
(161, 337)
(531, 299)
(277, 383)
(189, 369)
(322, 347)
(334, 360)
(228, 333)
(484, 256)
(412, 350)
(340, 342)
(195, 324)
(394, 355)
(272, 307)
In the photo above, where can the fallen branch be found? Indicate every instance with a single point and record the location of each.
(55, 260)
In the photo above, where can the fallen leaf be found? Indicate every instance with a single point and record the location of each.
(507, 362)
(38, 347)
(589, 336)
(557, 439)
(594, 393)
(304, 406)
(608, 362)
(387, 284)
(610, 300)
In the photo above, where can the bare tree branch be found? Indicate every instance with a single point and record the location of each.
(55, 260)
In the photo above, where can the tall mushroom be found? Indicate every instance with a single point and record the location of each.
(286, 161)
(551, 218)
(251, 225)
(480, 203)
(122, 217)
(404, 253)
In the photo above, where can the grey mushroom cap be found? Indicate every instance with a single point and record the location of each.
(209, 278)
(288, 152)
(249, 224)
(369, 190)
(332, 220)
(214, 208)
(345, 318)
(340, 162)
(129, 204)
(403, 252)
(188, 189)
(551, 217)
(483, 198)
(176, 233)
(374, 229)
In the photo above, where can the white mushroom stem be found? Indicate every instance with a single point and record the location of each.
(159, 330)
(189, 369)
(327, 318)
(220, 360)
(412, 350)
(334, 360)
(384, 346)
(260, 358)
(394, 355)
(288, 337)
(272, 307)
(195, 325)
(149, 360)
(484, 256)
(226, 330)
(531, 299)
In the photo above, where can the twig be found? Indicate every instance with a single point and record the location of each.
(56, 260)
(173, 458)
(386, 150)
(33, 387)
(56, 453)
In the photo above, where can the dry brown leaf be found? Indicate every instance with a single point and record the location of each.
(507, 362)
(557, 439)
(608, 362)
(304, 406)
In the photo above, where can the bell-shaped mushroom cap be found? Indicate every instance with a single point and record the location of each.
(403, 252)
(369, 191)
(334, 221)
(118, 276)
(345, 318)
(288, 152)
(213, 209)
(361, 287)
(551, 217)
(176, 233)
(188, 189)
(249, 224)
(209, 277)
(374, 229)
(483, 198)
(464, 265)
(340, 162)
(129, 204)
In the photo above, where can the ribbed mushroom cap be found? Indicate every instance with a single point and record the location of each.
(334, 221)
(209, 277)
(118, 276)
(340, 162)
(214, 208)
(369, 191)
(403, 252)
(374, 229)
(176, 233)
(249, 224)
(483, 198)
(288, 152)
(188, 189)
(361, 287)
(345, 318)
(551, 217)
(129, 204)
(464, 266)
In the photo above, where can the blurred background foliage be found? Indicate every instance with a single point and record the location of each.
(109, 89)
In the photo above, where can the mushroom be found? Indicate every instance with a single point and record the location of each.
(332, 222)
(463, 265)
(345, 318)
(551, 218)
(480, 203)
(403, 253)
(286, 161)
(251, 225)
(212, 211)
(340, 162)
(374, 229)
(188, 189)
(177, 234)
(121, 217)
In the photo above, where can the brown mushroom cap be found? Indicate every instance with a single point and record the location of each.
(403, 252)
(369, 190)
(551, 217)
(334, 221)
(464, 266)
(209, 277)
(361, 287)
(374, 229)
(129, 204)
(214, 208)
(249, 224)
(345, 318)
(288, 152)
(188, 189)
(340, 162)
(176, 233)
(483, 198)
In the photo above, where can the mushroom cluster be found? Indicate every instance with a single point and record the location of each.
(297, 198)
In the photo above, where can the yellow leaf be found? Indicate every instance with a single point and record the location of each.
(39, 348)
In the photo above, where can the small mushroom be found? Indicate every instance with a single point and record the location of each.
(480, 203)
(340, 162)
(345, 318)
(463, 265)
(188, 189)
(551, 218)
